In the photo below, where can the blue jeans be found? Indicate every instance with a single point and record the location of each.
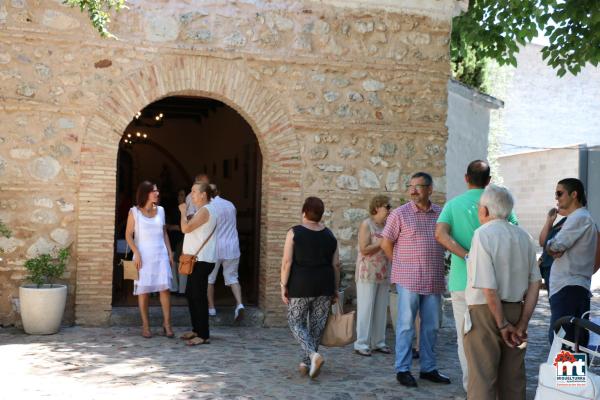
(574, 301)
(408, 305)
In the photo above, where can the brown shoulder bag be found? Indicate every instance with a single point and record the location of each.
(187, 261)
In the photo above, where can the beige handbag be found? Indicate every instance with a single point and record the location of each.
(340, 329)
(129, 270)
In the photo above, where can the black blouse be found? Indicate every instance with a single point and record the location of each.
(312, 273)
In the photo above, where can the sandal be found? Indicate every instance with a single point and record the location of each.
(188, 336)
(196, 341)
(384, 350)
(168, 331)
(146, 333)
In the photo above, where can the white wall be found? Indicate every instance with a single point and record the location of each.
(468, 129)
(543, 110)
(532, 178)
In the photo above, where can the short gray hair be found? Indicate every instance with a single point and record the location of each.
(498, 201)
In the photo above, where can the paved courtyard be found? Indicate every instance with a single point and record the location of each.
(240, 363)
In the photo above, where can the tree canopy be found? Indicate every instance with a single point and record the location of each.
(98, 12)
(493, 29)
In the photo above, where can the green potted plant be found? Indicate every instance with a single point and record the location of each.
(43, 302)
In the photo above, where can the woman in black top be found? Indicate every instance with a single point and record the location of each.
(310, 277)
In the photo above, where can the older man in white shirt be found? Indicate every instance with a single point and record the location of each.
(228, 254)
(501, 273)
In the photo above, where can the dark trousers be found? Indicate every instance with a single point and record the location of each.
(195, 291)
(545, 272)
(570, 301)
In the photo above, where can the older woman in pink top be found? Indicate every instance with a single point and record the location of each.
(372, 281)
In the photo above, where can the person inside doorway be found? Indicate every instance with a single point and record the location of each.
(228, 254)
(190, 207)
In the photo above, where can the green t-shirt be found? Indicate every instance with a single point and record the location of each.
(461, 214)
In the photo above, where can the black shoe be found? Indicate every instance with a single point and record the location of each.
(406, 379)
(415, 354)
(434, 376)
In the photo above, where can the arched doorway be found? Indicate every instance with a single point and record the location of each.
(222, 79)
(169, 142)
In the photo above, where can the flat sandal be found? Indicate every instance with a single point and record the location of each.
(188, 336)
(196, 341)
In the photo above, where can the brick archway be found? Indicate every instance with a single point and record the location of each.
(223, 80)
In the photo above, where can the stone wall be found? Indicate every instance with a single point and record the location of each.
(345, 103)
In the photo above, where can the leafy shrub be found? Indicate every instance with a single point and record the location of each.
(45, 269)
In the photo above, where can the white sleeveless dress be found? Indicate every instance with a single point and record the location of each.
(155, 274)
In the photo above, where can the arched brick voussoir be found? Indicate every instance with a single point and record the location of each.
(225, 80)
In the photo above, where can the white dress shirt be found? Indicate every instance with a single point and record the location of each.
(190, 208)
(578, 238)
(228, 245)
(502, 257)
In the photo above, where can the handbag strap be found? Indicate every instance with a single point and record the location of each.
(206, 241)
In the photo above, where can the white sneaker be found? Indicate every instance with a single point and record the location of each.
(316, 361)
(239, 312)
(212, 312)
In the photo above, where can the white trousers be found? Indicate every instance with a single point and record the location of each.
(459, 307)
(371, 318)
(179, 281)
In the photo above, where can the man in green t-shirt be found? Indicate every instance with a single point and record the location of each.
(454, 230)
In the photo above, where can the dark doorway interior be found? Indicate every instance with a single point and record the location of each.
(169, 142)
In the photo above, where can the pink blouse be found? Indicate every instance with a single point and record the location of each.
(374, 267)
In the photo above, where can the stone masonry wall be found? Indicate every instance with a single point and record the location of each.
(346, 104)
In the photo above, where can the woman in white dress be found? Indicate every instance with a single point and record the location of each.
(147, 237)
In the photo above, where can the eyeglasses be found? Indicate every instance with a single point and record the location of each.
(388, 207)
(558, 193)
(418, 187)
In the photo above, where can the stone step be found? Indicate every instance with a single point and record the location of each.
(180, 316)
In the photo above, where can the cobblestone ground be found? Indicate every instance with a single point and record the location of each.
(240, 363)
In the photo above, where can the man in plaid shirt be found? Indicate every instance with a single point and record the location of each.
(418, 272)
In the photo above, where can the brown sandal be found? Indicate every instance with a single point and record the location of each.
(196, 341)
(146, 334)
(188, 336)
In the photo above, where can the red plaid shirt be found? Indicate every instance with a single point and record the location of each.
(418, 259)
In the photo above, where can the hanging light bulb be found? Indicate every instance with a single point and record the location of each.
(145, 136)
(129, 135)
(138, 134)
